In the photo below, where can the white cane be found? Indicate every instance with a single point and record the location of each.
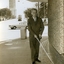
(44, 50)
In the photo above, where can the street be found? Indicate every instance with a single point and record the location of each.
(6, 33)
(18, 52)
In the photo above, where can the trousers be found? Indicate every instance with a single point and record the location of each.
(34, 46)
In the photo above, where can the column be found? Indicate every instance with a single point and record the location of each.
(56, 30)
(56, 24)
(12, 6)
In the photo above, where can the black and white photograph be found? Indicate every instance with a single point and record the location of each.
(31, 32)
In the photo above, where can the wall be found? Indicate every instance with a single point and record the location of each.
(56, 25)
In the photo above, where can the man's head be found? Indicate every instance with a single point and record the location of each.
(34, 12)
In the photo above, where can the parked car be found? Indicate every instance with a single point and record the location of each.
(19, 18)
(14, 26)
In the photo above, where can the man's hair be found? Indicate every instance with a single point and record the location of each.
(34, 9)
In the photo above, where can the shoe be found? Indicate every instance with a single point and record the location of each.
(33, 62)
(38, 60)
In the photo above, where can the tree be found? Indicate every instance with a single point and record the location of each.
(0, 12)
(43, 10)
(28, 12)
(8, 13)
(5, 12)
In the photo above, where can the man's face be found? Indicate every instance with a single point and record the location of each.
(34, 13)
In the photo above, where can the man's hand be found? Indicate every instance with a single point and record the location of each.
(40, 36)
(35, 36)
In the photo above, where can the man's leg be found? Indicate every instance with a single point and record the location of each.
(37, 51)
(32, 47)
(32, 54)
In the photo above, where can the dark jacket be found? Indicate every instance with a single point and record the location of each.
(35, 27)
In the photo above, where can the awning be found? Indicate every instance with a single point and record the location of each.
(38, 0)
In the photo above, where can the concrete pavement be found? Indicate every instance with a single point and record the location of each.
(18, 52)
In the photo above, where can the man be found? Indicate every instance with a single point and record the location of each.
(35, 27)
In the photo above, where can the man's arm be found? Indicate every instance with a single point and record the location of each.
(29, 27)
(41, 27)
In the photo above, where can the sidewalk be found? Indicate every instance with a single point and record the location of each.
(18, 52)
